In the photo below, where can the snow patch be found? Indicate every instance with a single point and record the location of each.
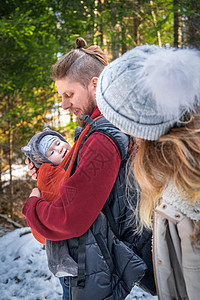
(25, 273)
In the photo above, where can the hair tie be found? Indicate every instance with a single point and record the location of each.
(79, 47)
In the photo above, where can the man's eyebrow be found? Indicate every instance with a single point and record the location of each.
(66, 92)
(61, 93)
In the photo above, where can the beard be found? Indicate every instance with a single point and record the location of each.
(87, 111)
(80, 122)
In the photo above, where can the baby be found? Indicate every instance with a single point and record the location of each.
(46, 146)
(47, 150)
(51, 153)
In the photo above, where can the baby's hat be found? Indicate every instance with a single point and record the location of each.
(46, 142)
(38, 145)
(148, 89)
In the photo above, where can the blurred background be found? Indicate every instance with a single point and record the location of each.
(35, 33)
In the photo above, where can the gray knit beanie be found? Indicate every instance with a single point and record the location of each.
(147, 90)
(38, 144)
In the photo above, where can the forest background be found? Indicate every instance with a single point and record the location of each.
(35, 33)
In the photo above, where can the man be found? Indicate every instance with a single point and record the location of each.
(98, 178)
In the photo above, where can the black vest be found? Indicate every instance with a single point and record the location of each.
(111, 257)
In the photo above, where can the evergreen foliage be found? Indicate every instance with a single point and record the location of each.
(34, 33)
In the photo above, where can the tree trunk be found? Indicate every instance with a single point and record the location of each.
(124, 46)
(58, 110)
(155, 24)
(176, 24)
(1, 165)
(100, 29)
(136, 25)
(194, 24)
(10, 136)
(115, 37)
(9, 220)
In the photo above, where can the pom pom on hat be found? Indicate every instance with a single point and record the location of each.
(170, 78)
(147, 90)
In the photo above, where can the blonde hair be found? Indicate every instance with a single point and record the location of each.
(174, 157)
(81, 64)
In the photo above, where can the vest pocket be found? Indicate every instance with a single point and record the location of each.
(129, 267)
(125, 266)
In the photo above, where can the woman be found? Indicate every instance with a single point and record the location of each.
(153, 94)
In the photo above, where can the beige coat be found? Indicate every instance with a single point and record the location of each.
(176, 261)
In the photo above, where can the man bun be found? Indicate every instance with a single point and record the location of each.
(80, 43)
(95, 51)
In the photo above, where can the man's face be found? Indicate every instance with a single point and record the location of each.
(76, 98)
(57, 151)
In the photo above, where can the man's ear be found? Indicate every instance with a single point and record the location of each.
(94, 82)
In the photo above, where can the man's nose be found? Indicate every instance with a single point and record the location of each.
(65, 103)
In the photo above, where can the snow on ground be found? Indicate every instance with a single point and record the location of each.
(25, 274)
(24, 270)
(19, 171)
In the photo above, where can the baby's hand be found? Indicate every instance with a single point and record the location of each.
(32, 169)
(35, 192)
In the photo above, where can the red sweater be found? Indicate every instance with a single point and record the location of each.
(82, 196)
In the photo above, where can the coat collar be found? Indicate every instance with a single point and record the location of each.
(172, 196)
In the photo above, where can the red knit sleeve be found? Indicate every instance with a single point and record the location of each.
(82, 196)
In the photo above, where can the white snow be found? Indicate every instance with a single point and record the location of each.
(24, 270)
(25, 274)
(19, 171)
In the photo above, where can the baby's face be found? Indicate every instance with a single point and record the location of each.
(57, 151)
